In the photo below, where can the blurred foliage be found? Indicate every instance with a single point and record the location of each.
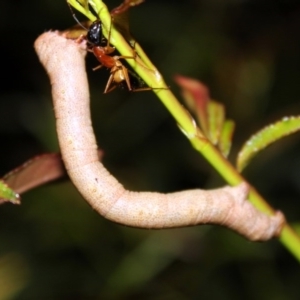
(54, 246)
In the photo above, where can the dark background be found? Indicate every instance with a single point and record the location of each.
(54, 246)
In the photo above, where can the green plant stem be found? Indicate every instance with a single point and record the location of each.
(147, 71)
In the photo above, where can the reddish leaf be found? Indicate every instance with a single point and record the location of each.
(197, 97)
(35, 172)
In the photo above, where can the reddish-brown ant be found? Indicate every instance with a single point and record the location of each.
(118, 72)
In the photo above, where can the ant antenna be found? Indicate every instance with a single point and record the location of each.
(78, 22)
(75, 18)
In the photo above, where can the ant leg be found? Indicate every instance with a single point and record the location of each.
(97, 68)
(109, 49)
(111, 89)
(141, 84)
(126, 76)
(125, 57)
(147, 89)
(141, 63)
(109, 82)
(142, 89)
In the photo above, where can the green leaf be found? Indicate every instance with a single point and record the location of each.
(266, 137)
(7, 194)
(216, 116)
(225, 139)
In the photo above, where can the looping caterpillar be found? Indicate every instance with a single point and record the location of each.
(228, 206)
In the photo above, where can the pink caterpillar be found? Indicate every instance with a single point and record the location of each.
(228, 206)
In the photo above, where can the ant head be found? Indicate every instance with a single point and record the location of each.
(94, 34)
